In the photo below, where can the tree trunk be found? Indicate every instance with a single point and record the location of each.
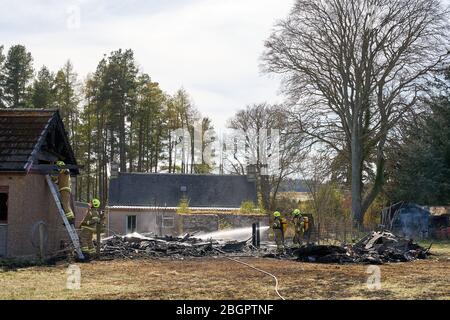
(356, 156)
(170, 153)
(379, 178)
(140, 145)
(122, 153)
(192, 137)
(130, 146)
(157, 148)
(88, 191)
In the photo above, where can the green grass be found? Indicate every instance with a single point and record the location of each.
(437, 246)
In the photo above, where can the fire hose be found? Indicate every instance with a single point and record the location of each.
(257, 269)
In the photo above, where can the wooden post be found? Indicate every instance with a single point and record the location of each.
(318, 233)
(254, 241)
(345, 230)
(98, 239)
(336, 232)
(258, 235)
(98, 228)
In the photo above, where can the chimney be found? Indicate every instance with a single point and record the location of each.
(114, 170)
(251, 173)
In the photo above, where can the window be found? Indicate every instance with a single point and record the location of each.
(131, 224)
(168, 222)
(3, 206)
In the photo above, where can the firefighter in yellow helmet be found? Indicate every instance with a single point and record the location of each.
(65, 191)
(298, 227)
(279, 227)
(90, 225)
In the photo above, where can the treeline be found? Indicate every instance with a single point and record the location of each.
(118, 114)
(419, 170)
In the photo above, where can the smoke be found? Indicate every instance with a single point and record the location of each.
(412, 222)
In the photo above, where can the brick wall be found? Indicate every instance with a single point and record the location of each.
(30, 202)
(80, 210)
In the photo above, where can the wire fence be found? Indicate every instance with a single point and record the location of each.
(332, 231)
(340, 232)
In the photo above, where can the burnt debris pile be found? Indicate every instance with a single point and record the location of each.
(138, 246)
(375, 248)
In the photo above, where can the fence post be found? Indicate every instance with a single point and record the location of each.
(336, 232)
(345, 230)
(254, 231)
(318, 233)
(258, 234)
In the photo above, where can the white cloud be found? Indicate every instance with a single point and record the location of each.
(210, 47)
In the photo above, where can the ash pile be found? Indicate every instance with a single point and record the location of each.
(135, 246)
(375, 248)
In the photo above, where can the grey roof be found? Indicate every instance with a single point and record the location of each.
(165, 190)
(26, 135)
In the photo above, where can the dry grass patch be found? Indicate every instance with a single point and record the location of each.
(219, 278)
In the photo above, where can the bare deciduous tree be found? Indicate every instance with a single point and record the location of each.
(263, 138)
(352, 70)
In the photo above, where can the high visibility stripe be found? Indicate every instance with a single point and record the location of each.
(88, 228)
(88, 250)
(65, 189)
(69, 215)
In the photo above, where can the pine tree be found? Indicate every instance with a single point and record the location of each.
(149, 130)
(187, 115)
(18, 72)
(2, 78)
(43, 94)
(67, 99)
(118, 92)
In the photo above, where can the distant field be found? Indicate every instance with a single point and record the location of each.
(210, 278)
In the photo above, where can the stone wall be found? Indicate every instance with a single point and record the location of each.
(206, 223)
(242, 221)
(190, 223)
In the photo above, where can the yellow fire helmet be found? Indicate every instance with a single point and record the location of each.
(277, 214)
(60, 164)
(296, 212)
(96, 203)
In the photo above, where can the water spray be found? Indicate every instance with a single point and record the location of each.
(239, 234)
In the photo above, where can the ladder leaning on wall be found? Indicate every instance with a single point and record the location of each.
(70, 229)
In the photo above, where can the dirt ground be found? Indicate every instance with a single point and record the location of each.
(219, 278)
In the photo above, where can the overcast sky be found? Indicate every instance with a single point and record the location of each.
(210, 47)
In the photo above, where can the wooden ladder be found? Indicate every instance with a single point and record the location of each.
(71, 230)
